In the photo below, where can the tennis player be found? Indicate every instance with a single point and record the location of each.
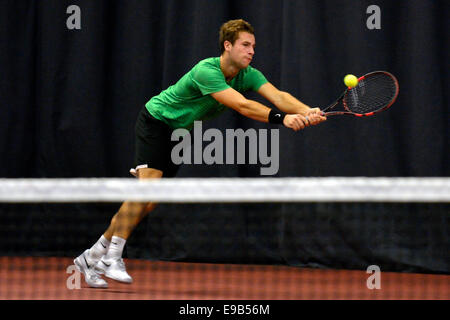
(209, 88)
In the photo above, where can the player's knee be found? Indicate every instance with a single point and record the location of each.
(114, 219)
(149, 173)
(149, 207)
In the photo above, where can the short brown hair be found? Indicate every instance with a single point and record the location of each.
(229, 31)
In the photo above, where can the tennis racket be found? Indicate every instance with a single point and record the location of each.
(375, 92)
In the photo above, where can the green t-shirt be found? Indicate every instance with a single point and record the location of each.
(189, 99)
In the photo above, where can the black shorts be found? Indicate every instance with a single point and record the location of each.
(153, 145)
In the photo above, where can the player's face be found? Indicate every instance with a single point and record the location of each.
(243, 50)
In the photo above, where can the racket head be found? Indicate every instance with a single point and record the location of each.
(375, 92)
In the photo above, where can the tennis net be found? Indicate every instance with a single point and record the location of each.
(263, 239)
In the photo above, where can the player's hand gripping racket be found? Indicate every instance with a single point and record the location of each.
(375, 92)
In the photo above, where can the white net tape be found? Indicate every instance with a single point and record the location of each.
(190, 190)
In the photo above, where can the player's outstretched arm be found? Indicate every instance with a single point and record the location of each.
(248, 108)
(255, 110)
(289, 104)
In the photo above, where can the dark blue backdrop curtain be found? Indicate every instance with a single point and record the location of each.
(69, 100)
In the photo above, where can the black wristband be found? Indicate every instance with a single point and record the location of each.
(276, 117)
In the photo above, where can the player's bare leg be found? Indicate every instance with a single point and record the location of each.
(109, 246)
(131, 213)
(121, 227)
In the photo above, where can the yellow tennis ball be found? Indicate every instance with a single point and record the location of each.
(350, 81)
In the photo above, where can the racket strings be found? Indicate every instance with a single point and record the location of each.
(372, 93)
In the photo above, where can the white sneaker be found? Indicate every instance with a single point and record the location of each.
(114, 269)
(86, 267)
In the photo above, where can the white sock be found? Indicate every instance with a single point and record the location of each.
(115, 248)
(99, 249)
